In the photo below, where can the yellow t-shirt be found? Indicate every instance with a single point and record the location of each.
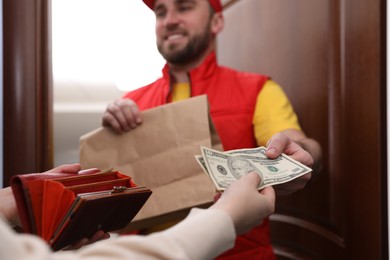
(181, 91)
(273, 112)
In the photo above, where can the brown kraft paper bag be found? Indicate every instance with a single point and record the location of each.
(159, 154)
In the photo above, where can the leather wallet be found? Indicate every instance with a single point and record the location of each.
(63, 208)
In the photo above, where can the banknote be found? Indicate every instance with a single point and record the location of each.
(225, 167)
(200, 160)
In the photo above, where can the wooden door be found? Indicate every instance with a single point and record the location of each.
(329, 56)
(27, 82)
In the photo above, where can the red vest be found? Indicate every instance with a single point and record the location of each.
(232, 96)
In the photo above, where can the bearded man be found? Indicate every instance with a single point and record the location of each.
(248, 109)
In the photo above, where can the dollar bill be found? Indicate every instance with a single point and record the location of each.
(200, 160)
(225, 167)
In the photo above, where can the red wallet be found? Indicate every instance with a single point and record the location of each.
(63, 208)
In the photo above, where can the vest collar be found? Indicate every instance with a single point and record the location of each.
(203, 71)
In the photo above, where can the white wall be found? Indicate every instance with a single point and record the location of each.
(105, 40)
(78, 109)
(105, 46)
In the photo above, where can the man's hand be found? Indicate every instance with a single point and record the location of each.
(245, 204)
(283, 142)
(122, 115)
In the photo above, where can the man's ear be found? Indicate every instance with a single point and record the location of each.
(217, 23)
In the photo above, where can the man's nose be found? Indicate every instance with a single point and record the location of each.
(171, 18)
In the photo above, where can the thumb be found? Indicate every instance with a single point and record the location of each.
(252, 178)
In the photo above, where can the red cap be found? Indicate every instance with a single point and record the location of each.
(215, 4)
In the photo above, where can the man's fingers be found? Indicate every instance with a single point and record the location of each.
(276, 145)
(119, 114)
(110, 120)
(122, 115)
(129, 107)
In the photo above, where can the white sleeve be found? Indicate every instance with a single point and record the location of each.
(204, 234)
(21, 246)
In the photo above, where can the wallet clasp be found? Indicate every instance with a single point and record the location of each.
(118, 189)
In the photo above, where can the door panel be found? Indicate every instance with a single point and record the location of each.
(327, 59)
(27, 87)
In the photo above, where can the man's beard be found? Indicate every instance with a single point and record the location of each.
(192, 51)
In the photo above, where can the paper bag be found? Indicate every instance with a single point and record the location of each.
(159, 154)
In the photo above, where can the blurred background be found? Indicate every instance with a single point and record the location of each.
(100, 49)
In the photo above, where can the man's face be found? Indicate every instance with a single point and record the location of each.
(183, 29)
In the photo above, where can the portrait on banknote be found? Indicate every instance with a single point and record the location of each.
(240, 166)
